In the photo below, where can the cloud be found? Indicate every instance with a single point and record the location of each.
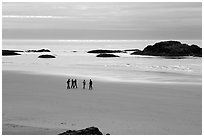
(41, 17)
(180, 19)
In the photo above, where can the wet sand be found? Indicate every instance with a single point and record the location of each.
(41, 104)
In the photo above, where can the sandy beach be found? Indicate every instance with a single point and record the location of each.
(41, 104)
(144, 58)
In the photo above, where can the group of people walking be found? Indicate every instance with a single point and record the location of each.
(72, 83)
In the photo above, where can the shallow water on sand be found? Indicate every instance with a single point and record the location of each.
(126, 68)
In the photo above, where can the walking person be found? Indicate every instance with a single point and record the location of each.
(68, 86)
(72, 86)
(90, 84)
(84, 84)
(75, 83)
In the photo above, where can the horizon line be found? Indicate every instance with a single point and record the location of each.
(96, 39)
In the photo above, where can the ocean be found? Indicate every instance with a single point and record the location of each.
(72, 60)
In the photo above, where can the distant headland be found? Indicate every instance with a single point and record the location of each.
(170, 48)
(166, 49)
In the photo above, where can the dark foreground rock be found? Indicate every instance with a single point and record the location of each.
(46, 56)
(106, 51)
(87, 131)
(10, 52)
(171, 48)
(107, 55)
(41, 50)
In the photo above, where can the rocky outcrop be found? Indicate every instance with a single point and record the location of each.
(10, 52)
(41, 50)
(87, 131)
(106, 51)
(170, 48)
(132, 50)
(106, 55)
(46, 56)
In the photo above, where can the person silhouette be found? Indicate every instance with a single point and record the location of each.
(90, 84)
(72, 86)
(68, 86)
(84, 84)
(75, 83)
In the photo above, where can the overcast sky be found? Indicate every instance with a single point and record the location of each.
(102, 20)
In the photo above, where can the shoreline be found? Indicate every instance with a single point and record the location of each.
(41, 101)
(14, 129)
(108, 79)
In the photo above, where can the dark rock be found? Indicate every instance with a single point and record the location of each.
(132, 50)
(15, 50)
(87, 131)
(107, 134)
(106, 55)
(46, 56)
(171, 48)
(197, 51)
(10, 52)
(41, 50)
(106, 51)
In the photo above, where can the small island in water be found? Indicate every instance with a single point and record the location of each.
(10, 52)
(170, 48)
(166, 49)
